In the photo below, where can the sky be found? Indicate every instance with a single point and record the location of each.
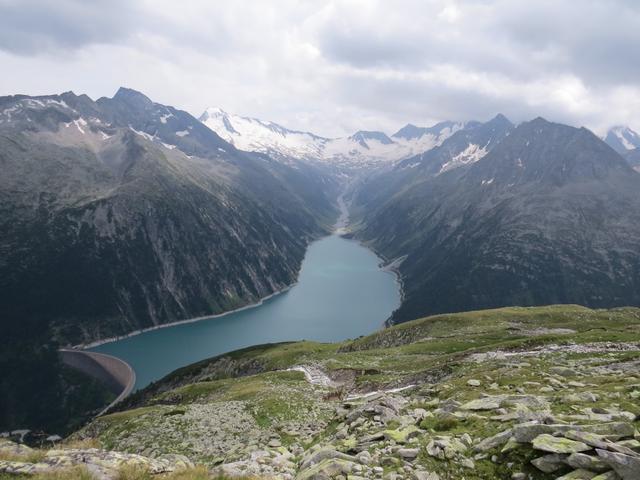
(335, 67)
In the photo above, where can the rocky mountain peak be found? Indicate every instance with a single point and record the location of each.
(132, 97)
(409, 131)
(549, 153)
(622, 139)
(362, 136)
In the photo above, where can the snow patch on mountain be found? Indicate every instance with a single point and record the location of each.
(360, 149)
(469, 155)
(622, 139)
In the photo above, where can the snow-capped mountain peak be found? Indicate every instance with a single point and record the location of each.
(622, 139)
(363, 148)
(363, 136)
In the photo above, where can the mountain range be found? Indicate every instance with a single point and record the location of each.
(122, 213)
(361, 150)
(365, 149)
(547, 213)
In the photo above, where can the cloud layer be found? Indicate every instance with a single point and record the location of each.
(334, 67)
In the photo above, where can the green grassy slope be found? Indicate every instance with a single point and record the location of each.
(566, 363)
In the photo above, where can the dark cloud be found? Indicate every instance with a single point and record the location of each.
(338, 65)
(35, 26)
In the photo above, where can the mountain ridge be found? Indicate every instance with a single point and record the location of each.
(363, 149)
(144, 204)
(546, 216)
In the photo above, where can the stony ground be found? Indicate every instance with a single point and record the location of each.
(540, 393)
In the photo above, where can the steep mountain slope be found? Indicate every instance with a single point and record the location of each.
(633, 157)
(362, 149)
(550, 215)
(467, 145)
(122, 213)
(422, 139)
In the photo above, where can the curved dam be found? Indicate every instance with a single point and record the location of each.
(115, 373)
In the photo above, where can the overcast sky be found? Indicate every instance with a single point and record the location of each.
(334, 67)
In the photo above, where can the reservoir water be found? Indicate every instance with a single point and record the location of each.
(341, 293)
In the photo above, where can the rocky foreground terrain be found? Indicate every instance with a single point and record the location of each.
(516, 393)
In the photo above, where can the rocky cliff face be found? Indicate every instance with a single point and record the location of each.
(548, 215)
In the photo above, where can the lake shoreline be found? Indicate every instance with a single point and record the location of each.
(97, 343)
(339, 229)
(391, 266)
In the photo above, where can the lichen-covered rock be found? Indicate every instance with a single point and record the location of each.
(579, 474)
(326, 470)
(550, 463)
(402, 436)
(549, 443)
(102, 463)
(587, 462)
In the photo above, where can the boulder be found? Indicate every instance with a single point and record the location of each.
(526, 432)
(627, 466)
(403, 435)
(610, 475)
(595, 440)
(324, 454)
(409, 453)
(579, 474)
(549, 443)
(422, 475)
(587, 462)
(326, 470)
(550, 463)
(487, 403)
(495, 441)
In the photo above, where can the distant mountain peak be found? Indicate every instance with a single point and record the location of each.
(502, 119)
(133, 97)
(409, 131)
(362, 136)
(364, 147)
(622, 139)
(212, 112)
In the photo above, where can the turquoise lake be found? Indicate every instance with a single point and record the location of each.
(341, 293)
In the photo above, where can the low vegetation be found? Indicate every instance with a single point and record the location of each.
(475, 395)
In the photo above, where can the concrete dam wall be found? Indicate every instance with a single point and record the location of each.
(115, 373)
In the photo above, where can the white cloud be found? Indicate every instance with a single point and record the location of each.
(334, 67)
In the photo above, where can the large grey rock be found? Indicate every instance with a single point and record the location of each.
(324, 454)
(579, 474)
(409, 453)
(627, 466)
(326, 469)
(549, 443)
(587, 462)
(497, 440)
(550, 463)
(526, 432)
(610, 475)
